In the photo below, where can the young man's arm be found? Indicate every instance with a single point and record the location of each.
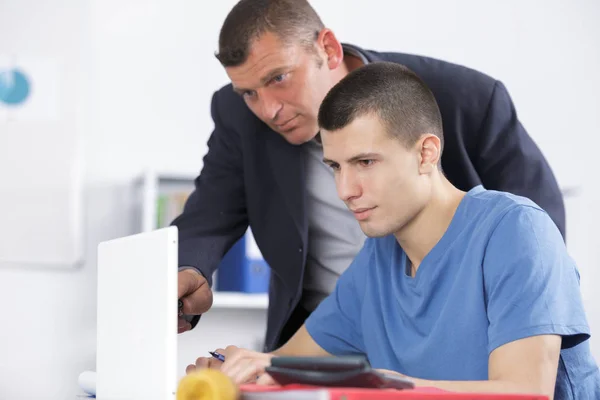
(533, 304)
(334, 324)
(301, 344)
(524, 366)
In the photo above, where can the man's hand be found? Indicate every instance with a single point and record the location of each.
(241, 365)
(196, 295)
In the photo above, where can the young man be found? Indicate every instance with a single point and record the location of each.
(463, 291)
(264, 169)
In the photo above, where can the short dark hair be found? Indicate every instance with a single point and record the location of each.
(290, 20)
(401, 100)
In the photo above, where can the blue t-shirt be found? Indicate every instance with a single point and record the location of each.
(500, 273)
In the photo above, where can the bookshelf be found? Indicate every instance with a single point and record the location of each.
(160, 198)
(258, 301)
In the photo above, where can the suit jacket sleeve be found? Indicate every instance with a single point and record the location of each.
(214, 216)
(507, 159)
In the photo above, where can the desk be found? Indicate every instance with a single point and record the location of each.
(253, 392)
(368, 394)
(292, 392)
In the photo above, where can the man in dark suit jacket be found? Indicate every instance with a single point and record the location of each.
(263, 168)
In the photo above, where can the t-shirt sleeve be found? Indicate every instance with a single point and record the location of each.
(335, 324)
(531, 283)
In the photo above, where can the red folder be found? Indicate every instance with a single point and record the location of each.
(304, 392)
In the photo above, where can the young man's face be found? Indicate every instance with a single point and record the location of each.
(284, 86)
(380, 180)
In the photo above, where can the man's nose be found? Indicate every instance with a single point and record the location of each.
(347, 186)
(270, 108)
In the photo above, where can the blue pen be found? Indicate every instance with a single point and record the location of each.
(218, 356)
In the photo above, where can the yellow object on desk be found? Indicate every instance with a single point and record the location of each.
(206, 384)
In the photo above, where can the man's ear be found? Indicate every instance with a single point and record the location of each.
(331, 48)
(430, 151)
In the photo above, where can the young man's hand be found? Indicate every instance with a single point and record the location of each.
(241, 365)
(244, 366)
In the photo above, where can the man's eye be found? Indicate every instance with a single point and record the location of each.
(279, 78)
(248, 93)
(366, 163)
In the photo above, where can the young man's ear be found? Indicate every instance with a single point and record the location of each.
(430, 152)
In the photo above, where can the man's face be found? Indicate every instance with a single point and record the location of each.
(377, 177)
(284, 86)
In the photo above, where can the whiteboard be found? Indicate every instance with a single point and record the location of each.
(40, 169)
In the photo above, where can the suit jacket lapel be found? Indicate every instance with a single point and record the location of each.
(287, 164)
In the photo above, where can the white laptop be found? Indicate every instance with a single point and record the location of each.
(137, 317)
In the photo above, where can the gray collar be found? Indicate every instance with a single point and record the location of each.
(353, 51)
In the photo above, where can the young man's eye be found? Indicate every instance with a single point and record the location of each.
(366, 163)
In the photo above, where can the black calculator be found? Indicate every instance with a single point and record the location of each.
(341, 371)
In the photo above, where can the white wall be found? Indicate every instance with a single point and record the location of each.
(150, 72)
(47, 315)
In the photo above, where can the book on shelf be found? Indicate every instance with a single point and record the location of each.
(169, 206)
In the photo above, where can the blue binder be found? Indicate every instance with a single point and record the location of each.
(243, 269)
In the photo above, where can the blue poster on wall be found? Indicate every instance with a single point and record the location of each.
(15, 86)
(30, 89)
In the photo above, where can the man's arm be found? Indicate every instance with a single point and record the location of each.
(214, 216)
(213, 219)
(526, 366)
(507, 159)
